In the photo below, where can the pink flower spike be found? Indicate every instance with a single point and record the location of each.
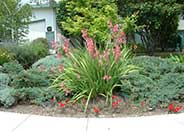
(115, 28)
(61, 67)
(84, 33)
(122, 34)
(117, 52)
(106, 78)
(54, 45)
(106, 55)
(60, 36)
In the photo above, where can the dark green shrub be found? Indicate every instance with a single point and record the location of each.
(40, 50)
(1, 68)
(42, 41)
(171, 87)
(6, 98)
(48, 62)
(37, 95)
(4, 79)
(31, 78)
(138, 86)
(12, 67)
(158, 82)
(5, 56)
(27, 54)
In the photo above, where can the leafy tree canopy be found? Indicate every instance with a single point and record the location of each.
(14, 18)
(159, 18)
(73, 16)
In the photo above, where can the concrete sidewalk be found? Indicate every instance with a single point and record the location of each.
(13, 122)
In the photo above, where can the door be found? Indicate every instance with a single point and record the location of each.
(50, 37)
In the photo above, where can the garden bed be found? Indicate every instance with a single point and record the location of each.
(58, 112)
(90, 82)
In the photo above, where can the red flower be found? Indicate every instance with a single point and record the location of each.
(178, 108)
(52, 100)
(115, 104)
(61, 105)
(113, 96)
(96, 110)
(142, 103)
(171, 107)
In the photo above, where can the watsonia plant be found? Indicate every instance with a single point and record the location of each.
(91, 72)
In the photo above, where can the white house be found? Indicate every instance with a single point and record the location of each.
(43, 21)
(181, 26)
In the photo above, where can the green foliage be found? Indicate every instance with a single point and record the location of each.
(159, 18)
(14, 19)
(27, 54)
(177, 58)
(6, 98)
(73, 16)
(4, 79)
(5, 56)
(48, 62)
(42, 41)
(37, 95)
(31, 78)
(12, 68)
(158, 82)
(89, 78)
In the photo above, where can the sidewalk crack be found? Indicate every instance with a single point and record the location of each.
(20, 123)
(87, 124)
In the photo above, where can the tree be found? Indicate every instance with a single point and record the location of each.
(14, 20)
(158, 17)
(93, 15)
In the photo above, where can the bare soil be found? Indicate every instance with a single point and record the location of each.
(122, 109)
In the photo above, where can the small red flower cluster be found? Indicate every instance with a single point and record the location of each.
(96, 110)
(174, 108)
(116, 102)
(60, 104)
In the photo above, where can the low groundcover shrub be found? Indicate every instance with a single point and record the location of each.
(158, 82)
